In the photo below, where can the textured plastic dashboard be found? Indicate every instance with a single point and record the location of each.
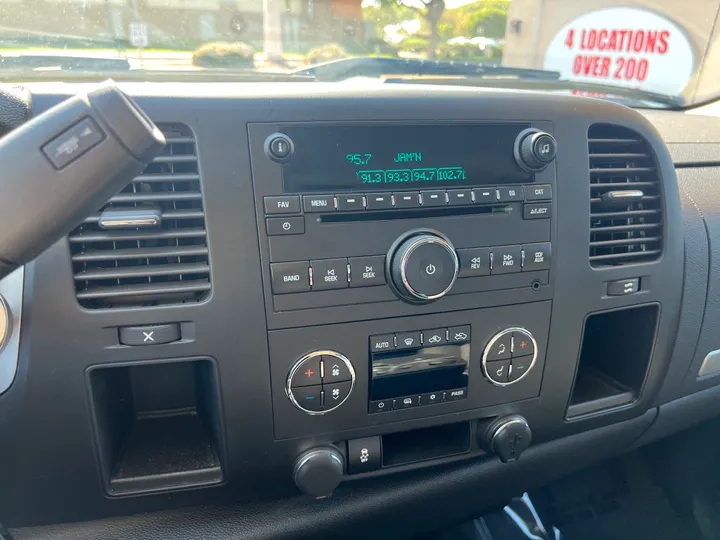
(46, 413)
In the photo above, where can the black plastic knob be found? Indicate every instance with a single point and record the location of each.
(507, 437)
(317, 472)
(535, 150)
(423, 267)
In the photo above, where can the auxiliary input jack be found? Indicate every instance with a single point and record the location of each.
(535, 285)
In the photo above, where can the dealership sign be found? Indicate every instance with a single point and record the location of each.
(623, 46)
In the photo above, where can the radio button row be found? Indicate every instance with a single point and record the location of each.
(329, 274)
(379, 201)
(290, 277)
(474, 262)
(318, 203)
(540, 192)
(283, 204)
(367, 271)
(486, 195)
(407, 199)
(459, 196)
(284, 226)
(433, 198)
(350, 202)
(510, 194)
(505, 260)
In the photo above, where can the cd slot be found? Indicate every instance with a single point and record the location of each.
(388, 215)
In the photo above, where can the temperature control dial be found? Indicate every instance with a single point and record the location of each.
(423, 267)
(320, 382)
(509, 356)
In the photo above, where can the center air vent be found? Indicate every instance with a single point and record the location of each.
(626, 206)
(148, 245)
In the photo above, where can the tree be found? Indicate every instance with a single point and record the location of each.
(430, 10)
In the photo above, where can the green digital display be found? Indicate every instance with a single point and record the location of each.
(336, 158)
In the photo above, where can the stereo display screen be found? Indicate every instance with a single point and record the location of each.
(395, 157)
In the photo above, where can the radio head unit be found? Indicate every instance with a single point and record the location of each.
(381, 156)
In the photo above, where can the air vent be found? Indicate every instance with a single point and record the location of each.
(626, 207)
(148, 245)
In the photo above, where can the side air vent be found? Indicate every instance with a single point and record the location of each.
(148, 245)
(626, 205)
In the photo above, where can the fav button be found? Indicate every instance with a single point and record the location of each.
(329, 274)
(498, 372)
(283, 204)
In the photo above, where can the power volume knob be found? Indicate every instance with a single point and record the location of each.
(423, 267)
(535, 150)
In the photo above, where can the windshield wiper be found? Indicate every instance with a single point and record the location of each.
(141, 75)
(61, 62)
(637, 96)
(367, 66)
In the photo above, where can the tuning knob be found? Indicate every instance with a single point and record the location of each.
(423, 267)
(534, 150)
(319, 471)
(507, 437)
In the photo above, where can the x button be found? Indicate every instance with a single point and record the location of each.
(156, 334)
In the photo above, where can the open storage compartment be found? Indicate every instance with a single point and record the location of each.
(158, 425)
(614, 359)
(426, 443)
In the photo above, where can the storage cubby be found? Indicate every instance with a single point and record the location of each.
(158, 425)
(614, 359)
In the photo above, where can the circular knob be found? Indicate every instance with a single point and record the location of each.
(507, 437)
(319, 471)
(534, 150)
(4, 322)
(423, 267)
(509, 356)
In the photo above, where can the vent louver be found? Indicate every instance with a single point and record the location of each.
(626, 205)
(161, 257)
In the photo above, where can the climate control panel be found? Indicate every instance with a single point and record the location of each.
(320, 382)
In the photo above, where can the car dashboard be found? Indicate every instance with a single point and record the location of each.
(380, 297)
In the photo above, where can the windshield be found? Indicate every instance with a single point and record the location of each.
(667, 55)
